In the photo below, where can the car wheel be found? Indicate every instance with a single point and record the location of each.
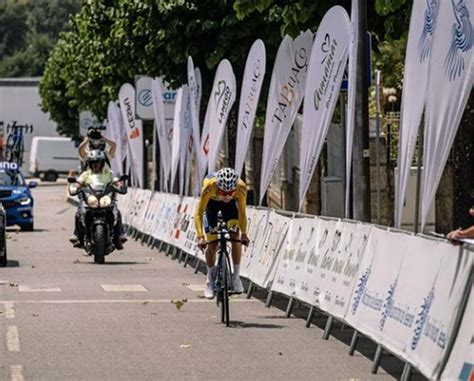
(28, 227)
(50, 176)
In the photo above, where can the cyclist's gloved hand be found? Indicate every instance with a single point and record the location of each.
(202, 243)
(245, 240)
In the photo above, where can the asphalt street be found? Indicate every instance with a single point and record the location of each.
(62, 317)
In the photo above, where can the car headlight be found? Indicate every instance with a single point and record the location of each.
(105, 201)
(17, 191)
(24, 201)
(92, 201)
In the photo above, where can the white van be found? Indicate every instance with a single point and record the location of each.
(52, 156)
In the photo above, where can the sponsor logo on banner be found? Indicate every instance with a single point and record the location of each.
(422, 317)
(328, 50)
(249, 105)
(144, 97)
(462, 40)
(134, 133)
(424, 44)
(222, 100)
(249, 95)
(284, 99)
(287, 91)
(360, 289)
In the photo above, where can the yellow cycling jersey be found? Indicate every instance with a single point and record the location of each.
(210, 191)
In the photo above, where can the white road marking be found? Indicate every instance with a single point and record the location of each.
(13, 340)
(132, 301)
(123, 288)
(25, 288)
(197, 287)
(9, 310)
(16, 372)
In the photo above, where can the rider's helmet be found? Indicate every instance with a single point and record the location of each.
(227, 179)
(96, 160)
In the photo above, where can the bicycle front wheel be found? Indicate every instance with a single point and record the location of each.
(225, 313)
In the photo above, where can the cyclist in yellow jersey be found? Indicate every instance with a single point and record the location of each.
(222, 191)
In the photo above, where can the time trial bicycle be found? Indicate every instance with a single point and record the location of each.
(223, 280)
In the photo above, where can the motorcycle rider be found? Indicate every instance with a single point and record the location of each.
(96, 172)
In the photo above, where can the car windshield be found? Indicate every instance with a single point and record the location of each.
(11, 178)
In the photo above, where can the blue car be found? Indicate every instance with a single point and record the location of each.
(16, 198)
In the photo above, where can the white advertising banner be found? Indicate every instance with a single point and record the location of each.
(289, 267)
(351, 98)
(144, 99)
(220, 102)
(176, 140)
(197, 76)
(407, 294)
(326, 68)
(340, 266)
(415, 81)
(256, 225)
(204, 148)
(250, 94)
(450, 82)
(195, 94)
(272, 243)
(115, 126)
(460, 365)
(161, 128)
(134, 130)
(185, 137)
(284, 99)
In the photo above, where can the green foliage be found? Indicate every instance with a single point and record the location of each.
(112, 42)
(28, 31)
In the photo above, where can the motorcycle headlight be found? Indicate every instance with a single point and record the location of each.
(105, 201)
(24, 201)
(92, 201)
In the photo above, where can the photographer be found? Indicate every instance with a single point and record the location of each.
(96, 141)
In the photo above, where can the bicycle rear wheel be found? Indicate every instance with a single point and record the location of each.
(9, 148)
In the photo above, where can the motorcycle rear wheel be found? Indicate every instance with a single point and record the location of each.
(99, 247)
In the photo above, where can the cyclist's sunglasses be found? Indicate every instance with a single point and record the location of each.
(224, 193)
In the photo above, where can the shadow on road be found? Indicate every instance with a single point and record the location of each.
(241, 324)
(12, 263)
(91, 262)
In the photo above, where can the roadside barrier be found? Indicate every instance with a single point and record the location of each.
(410, 294)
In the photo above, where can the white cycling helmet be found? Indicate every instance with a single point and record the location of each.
(227, 179)
(96, 156)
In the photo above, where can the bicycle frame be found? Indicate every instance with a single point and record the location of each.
(14, 147)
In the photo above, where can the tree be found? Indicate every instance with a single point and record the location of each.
(110, 43)
(28, 31)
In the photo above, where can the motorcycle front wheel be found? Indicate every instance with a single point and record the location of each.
(99, 244)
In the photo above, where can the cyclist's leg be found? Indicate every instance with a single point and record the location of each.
(231, 216)
(210, 224)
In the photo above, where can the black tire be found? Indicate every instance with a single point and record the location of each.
(9, 148)
(28, 227)
(99, 246)
(50, 176)
(225, 297)
(20, 153)
(3, 256)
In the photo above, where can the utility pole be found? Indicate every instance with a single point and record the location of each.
(361, 151)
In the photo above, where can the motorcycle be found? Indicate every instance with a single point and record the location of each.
(100, 215)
